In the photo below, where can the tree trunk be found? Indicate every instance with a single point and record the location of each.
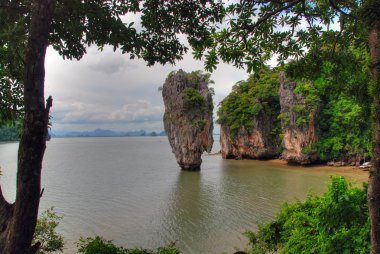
(18, 220)
(374, 178)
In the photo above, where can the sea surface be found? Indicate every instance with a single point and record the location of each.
(131, 190)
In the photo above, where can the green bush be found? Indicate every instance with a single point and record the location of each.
(336, 222)
(199, 123)
(345, 129)
(99, 245)
(46, 232)
(193, 98)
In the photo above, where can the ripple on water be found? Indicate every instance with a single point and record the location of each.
(131, 190)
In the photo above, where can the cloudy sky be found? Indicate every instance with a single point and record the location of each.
(107, 90)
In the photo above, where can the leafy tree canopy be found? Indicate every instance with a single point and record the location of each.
(336, 87)
(79, 24)
(255, 31)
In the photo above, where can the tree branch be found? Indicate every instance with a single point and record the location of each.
(266, 17)
(35, 248)
(340, 10)
(5, 212)
(2, 200)
(42, 192)
(338, 36)
(272, 13)
(49, 104)
(305, 14)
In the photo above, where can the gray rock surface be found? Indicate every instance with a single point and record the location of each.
(296, 136)
(249, 144)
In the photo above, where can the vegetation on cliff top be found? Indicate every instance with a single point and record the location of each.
(195, 104)
(258, 95)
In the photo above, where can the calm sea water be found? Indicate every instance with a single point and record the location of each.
(132, 191)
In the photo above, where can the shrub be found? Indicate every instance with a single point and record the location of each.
(193, 98)
(46, 233)
(99, 245)
(336, 222)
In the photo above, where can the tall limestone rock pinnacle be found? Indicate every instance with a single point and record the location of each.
(297, 136)
(188, 118)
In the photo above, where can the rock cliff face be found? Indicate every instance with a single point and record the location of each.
(250, 125)
(248, 118)
(255, 143)
(188, 118)
(296, 136)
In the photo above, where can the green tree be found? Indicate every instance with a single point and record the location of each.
(98, 245)
(69, 26)
(344, 129)
(46, 232)
(257, 30)
(11, 66)
(336, 86)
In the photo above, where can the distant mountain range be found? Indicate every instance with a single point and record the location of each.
(105, 133)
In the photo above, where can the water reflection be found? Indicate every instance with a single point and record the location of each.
(209, 210)
(131, 190)
(192, 213)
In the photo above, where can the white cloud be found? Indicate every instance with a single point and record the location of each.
(138, 111)
(133, 111)
(108, 90)
(110, 63)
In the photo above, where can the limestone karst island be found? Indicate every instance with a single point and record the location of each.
(188, 117)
